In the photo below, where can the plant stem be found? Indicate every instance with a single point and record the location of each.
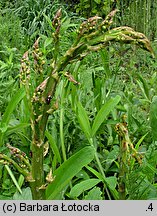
(38, 128)
(62, 134)
(101, 169)
(4, 158)
(37, 172)
(102, 172)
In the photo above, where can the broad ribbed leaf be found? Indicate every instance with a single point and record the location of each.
(104, 111)
(68, 170)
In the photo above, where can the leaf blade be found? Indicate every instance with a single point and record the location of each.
(53, 146)
(103, 112)
(83, 186)
(84, 120)
(68, 170)
(12, 105)
(13, 178)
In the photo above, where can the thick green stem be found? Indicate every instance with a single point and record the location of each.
(37, 172)
(39, 127)
(37, 162)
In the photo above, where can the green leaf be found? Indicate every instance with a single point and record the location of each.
(83, 186)
(142, 89)
(3, 128)
(105, 60)
(94, 194)
(111, 157)
(68, 170)
(84, 120)
(82, 175)
(49, 21)
(140, 141)
(53, 145)
(103, 112)
(98, 1)
(12, 105)
(21, 180)
(97, 174)
(66, 23)
(144, 86)
(13, 178)
(26, 195)
(16, 128)
(5, 197)
(153, 117)
(47, 42)
(112, 182)
(149, 168)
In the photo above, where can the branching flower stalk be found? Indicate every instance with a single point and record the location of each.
(92, 35)
(20, 161)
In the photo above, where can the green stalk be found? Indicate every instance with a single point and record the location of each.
(91, 141)
(62, 134)
(37, 172)
(62, 92)
(102, 172)
(5, 158)
(39, 127)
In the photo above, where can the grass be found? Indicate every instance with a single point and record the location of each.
(84, 154)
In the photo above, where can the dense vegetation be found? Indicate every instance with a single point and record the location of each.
(78, 102)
